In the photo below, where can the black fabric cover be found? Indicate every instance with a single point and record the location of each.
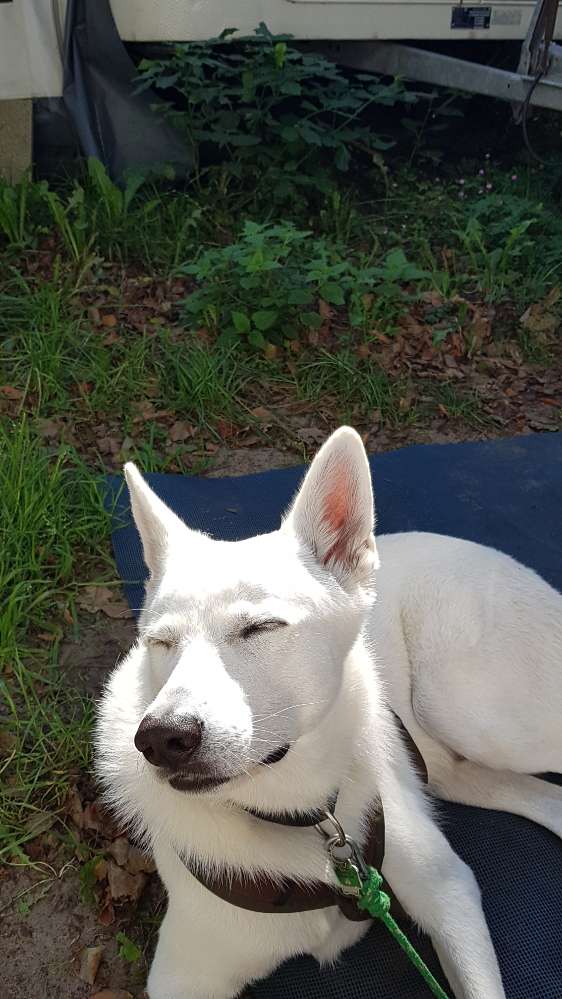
(113, 123)
(507, 494)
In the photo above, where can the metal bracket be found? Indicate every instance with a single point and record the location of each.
(526, 86)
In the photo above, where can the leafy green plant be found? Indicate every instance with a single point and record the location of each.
(127, 949)
(268, 285)
(19, 218)
(495, 265)
(280, 118)
(74, 223)
(88, 880)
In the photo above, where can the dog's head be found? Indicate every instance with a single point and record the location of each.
(243, 643)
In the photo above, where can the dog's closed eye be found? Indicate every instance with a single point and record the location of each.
(159, 643)
(257, 627)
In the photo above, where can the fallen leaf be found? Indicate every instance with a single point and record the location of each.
(261, 413)
(119, 850)
(311, 435)
(270, 351)
(8, 741)
(96, 819)
(49, 429)
(537, 319)
(96, 599)
(112, 337)
(39, 822)
(11, 392)
(110, 321)
(100, 870)
(107, 914)
(124, 886)
(74, 809)
(225, 429)
(112, 994)
(90, 961)
(211, 447)
(180, 431)
(139, 862)
(94, 315)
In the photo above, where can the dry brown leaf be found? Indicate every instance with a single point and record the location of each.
(552, 298)
(225, 429)
(8, 741)
(261, 413)
(139, 862)
(11, 392)
(112, 994)
(49, 429)
(311, 435)
(110, 321)
(96, 599)
(180, 431)
(122, 885)
(96, 819)
(538, 319)
(90, 960)
(106, 914)
(119, 850)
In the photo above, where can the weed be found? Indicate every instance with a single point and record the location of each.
(279, 118)
(20, 216)
(128, 950)
(52, 517)
(288, 273)
(88, 879)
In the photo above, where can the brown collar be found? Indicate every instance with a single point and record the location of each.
(258, 892)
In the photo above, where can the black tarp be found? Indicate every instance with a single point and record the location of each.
(112, 122)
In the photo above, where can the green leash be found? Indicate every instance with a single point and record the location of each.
(364, 883)
(371, 899)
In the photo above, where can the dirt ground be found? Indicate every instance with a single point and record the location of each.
(46, 925)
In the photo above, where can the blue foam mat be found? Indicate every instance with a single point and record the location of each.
(507, 494)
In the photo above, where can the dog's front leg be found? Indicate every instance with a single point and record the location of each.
(441, 894)
(198, 958)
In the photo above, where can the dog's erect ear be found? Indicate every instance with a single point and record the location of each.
(156, 523)
(333, 513)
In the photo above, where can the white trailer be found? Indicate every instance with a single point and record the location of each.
(378, 35)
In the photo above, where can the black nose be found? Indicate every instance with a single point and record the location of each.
(168, 742)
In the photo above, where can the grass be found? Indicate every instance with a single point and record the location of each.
(53, 528)
(103, 344)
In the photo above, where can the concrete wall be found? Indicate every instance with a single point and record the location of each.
(15, 138)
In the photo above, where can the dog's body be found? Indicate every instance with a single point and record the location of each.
(266, 645)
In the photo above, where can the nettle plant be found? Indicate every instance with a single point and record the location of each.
(274, 115)
(268, 285)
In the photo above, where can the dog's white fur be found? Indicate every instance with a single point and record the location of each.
(469, 646)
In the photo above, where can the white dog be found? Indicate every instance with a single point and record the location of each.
(252, 696)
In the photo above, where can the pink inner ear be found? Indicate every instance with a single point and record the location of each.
(338, 516)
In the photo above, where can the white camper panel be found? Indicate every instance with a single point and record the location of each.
(30, 64)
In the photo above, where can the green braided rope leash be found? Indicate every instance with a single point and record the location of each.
(366, 888)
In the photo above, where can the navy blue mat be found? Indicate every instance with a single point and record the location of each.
(507, 494)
